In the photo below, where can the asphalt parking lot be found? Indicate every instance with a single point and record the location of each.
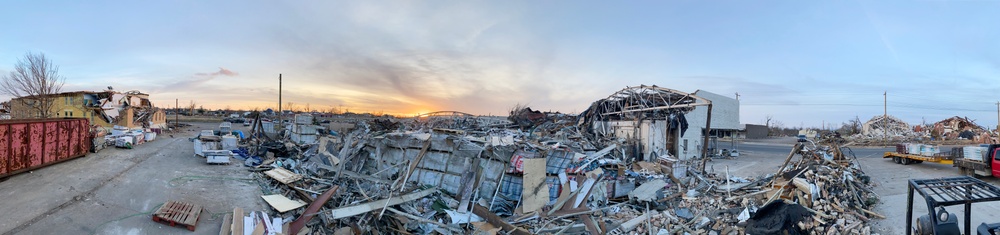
(114, 191)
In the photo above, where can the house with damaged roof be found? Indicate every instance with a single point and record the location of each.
(106, 109)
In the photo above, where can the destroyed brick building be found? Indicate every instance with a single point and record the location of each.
(103, 108)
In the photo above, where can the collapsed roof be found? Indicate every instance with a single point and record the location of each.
(643, 102)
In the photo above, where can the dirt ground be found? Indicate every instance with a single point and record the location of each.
(891, 183)
(115, 191)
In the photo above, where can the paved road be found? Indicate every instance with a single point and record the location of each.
(782, 149)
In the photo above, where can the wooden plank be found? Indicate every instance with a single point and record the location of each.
(497, 221)
(283, 175)
(238, 221)
(349, 211)
(282, 203)
(227, 225)
(535, 192)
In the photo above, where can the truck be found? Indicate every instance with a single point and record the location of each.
(987, 165)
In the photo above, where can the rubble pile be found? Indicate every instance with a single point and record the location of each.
(561, 175)
(955, 128)
(885, 127)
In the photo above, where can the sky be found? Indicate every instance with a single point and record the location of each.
(803, 63)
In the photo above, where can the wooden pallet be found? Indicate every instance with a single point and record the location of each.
(178, 213)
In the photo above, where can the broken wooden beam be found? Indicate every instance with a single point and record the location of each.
(358, 209)
(497, 221)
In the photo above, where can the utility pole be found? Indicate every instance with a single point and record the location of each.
(733, 135)
(998, 115)
(885, 116)
(280, 112)
(177, 109)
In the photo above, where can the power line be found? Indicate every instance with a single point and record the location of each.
(911, 106)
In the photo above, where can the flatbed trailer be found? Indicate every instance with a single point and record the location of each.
(907, 159)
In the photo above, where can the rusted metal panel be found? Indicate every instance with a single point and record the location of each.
(19, 147)
(32, 144)
(50, 146)
(4, 147)
(35, 141)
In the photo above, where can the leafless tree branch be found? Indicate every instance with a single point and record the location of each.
(34, 78)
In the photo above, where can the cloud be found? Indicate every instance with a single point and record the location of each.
(222, 72)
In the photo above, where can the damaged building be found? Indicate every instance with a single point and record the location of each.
(608, 170)
(886, 126)
(106, 109)
(960, 128)
(653, 120)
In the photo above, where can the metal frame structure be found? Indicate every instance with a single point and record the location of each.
(642, 102)
(949, 192)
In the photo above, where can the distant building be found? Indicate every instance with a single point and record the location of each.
(104, 108)
(725, 123)
(753, 131)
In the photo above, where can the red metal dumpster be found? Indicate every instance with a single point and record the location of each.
(30, 144)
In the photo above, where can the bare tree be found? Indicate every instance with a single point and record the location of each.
(767, 124)
(34, 78)
(191, 108)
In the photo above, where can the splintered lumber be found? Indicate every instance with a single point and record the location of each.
(536, 192)
(787, 159)
(495, 220)
(358, 209)
(283, 175)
